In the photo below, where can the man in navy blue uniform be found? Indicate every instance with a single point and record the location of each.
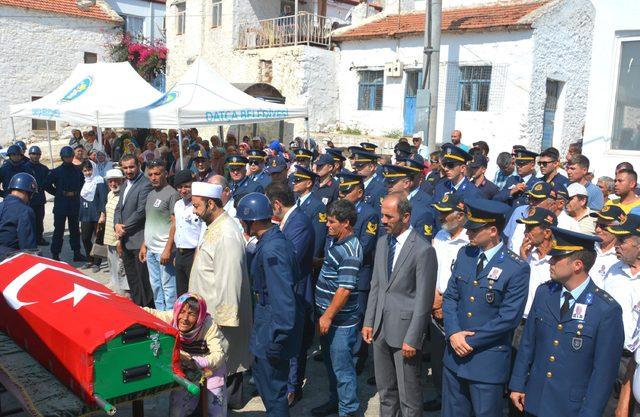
(257, 173)
(326, 188)
(338, 161)
(365, 164)
(303, 158)
(240, 184)
(38, 200)
(435, 176)
(476, 169)
(298, 230)
(311, 205)
(202, 165)
(482, 306)
(64, 183)
(514, 190)
(17, 220)
(406, 179)
(453, 163)
(572, 342)
(549, 162)
(277, 170)
(351, 188)
(14, 165)
(278, 318)
(371, 148)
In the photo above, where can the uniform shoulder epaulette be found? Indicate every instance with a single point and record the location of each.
(519, 259)
(604, 295)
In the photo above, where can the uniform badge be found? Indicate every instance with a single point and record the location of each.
(576, 343)
(322, 217)
(372, 228)
(428, 230)
(157, 203)
(579, 311)
(325, 200)
(495, 273)
(490, 296)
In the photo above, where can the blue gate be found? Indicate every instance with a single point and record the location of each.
(410, 92)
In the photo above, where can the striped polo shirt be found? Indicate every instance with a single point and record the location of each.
(340, 268)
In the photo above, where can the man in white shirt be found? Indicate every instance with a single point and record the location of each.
(447, 243)
(577, 207)
(605, 250)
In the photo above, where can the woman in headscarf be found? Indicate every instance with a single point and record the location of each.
(93, 198)
(202, 353)
(102, 163)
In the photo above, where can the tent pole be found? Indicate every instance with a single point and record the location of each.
(50, 147)
(180, 146)
(13, 130)
(221, 135)
(99, 130)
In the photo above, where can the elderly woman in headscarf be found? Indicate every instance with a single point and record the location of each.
(102, 163)
(203, 350)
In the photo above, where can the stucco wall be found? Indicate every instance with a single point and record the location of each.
(153, 13)
(38, 50)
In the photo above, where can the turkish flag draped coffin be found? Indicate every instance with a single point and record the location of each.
(61, 317)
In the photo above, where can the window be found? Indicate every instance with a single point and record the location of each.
(370, 90)
(216, 13)
(90, 58)
(474, 88)
(37, 124)
(626, 118)
(181, 18)
(134, 25)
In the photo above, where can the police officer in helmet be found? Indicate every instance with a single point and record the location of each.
(278, 318)
(38, 199)
(17, 219)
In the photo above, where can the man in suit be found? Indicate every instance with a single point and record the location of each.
(572, 341)
(129, 219)
(297, 229)
(399, 307)
(482, 306)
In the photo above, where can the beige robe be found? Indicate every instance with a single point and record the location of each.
(219, 274)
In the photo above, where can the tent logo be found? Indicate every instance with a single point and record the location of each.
(78, 90)
(166, 99)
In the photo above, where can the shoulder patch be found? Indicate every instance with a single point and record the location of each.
(604, 295)
(515, 257)
(322, 217)
(372, 228)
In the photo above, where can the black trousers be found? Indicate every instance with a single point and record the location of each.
(39, 211)
(437, 345)
(184, 262)
(59, 221)
(234, 391)
(138, 278)
(87, 229)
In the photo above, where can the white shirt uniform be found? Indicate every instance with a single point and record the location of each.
(564, 222)
(604, 261)
(446, 252)
(539, 275)
(189, 227)
(624, 287)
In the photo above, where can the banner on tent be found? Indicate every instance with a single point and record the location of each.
(248, 114)
(46, 113)
(78, 90)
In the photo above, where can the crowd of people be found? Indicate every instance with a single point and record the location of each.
(525, 284)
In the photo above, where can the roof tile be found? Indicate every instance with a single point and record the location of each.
(68, 7)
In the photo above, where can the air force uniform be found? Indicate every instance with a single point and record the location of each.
(464, 188)
(315, 209)
(519, 199)
(245, 185)
(263, 178)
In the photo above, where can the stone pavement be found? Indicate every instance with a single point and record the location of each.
(315, 392)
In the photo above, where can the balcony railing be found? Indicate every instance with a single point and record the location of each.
(301, 29)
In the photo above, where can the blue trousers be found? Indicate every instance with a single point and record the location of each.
(337, 352)
(271, 381)
(59, 221)
(298, 364)
(464, 398)
(163, 281)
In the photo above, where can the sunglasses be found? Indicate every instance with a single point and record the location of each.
(450, 165)
(433, 161)
(523, 163)
(236, 169)
(254, 162)
(298, 179)
(545, 163)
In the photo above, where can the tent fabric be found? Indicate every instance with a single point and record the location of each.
(91, 91)
(203, 98)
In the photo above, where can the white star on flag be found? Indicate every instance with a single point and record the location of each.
(79, 292)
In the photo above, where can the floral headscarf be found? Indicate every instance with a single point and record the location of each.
(194, 333)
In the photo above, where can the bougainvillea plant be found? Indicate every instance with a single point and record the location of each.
(148, 59)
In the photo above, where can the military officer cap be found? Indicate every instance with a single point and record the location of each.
(303, 154)
(201, 154)
(236, 161)
(524, 155)
(346, 181)
(256, 154)
(630, 226)
(566, 242)
(324, 159)
(452, 153)
(364, 157)
(560, 192)
(394, 172)
(368, 146)
(449, 203)
(610, 213)
(478, 161)
(303, 173)
(402, 149)
(353, 149)
(415, 164)
(183, 177)
(541, 191)
(276, 164)
(336, 153)
(540, 217)
(482, 212)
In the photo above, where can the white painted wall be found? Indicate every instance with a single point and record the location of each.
(38, 50)
(153, 14)
(613, 20)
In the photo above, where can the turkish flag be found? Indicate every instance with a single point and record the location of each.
(60, 317)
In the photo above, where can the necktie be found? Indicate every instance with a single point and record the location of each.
(565, 306)
(298, 203)
(481, 260)
(392, 251)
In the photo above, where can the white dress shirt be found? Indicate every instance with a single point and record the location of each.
(447, 249)
(604, 261)
(231, 211)
(539, 275)
(189, 227)
(624, 287)
(564, 222)
(402, 237)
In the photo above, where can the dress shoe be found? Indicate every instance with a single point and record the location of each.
(432, 405)
(371, 380)
(325, 409)
(55, 256)
(293, 398)
(78, 257)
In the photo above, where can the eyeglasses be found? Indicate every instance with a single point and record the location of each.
(545, 163)
(450, 165)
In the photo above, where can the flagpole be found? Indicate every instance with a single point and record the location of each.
(50, 147)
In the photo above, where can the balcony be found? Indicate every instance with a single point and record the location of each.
(301, 29)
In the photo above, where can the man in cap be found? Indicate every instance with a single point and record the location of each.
(257, 173)
(338, 160)
(572, 340)
(17, 219)
(476, 171)
(277, 329)
(406, 179)
(514, 190)
(189, 230)
(622, 281)
(326, 188)
(542, 195)
(352, 189)
(277, 170)
(421, 148)
(549, 164)
(119, 284)
(12, 166)
(482, 306)
(435, 176)
(228, 201)
(365, 164)
(454, 162)
(303, 158)
(65, 182)
(606, 248)
(371, 148)
(577, 207)
(240, 183)
(312, 206)
(402, 150)
(202, 163)
(39, 199)
(219, 274)
(447, 243)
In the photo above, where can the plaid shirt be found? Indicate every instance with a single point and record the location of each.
(501, 179)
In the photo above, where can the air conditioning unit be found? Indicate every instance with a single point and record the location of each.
(393, 69)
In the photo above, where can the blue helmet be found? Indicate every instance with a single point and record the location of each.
(14, 150)
(254, 206)
(35, 149)
(24, 182)
(22, 145)
(66, 152)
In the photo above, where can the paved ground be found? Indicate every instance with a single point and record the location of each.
(315, 393)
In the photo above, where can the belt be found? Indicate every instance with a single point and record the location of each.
(186, 250)
(626, 353)
(69, 193)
